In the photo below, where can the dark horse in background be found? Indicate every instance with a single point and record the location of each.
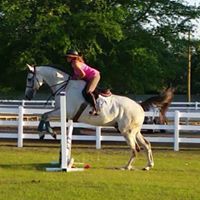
(159, 103)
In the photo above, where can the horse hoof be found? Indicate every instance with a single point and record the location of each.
(41, 136)
(126, 168)
(147, 168)
(54, 136)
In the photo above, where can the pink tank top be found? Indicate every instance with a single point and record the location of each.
(89, 72)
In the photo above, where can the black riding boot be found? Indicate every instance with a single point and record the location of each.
(93, 103)
(90, 98)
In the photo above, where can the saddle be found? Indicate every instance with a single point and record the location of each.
(103, 92)
(92, 97)
(95, 94)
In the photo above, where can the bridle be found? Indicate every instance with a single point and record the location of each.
(61, 88)
(32, 80)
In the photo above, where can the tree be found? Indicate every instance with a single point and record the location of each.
(136, 43)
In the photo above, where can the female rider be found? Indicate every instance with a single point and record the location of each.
(84, 72)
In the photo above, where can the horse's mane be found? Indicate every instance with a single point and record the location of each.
(57, 67)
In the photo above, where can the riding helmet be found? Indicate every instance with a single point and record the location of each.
(72, 53)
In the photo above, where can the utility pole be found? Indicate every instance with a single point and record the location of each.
(189, 70)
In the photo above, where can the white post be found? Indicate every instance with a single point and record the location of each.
(23, 102)
(196, 105)
(53, 103)
(63, 131)
(66, 141)
(20, 126)
(176, 130)
(69, 140)
(98, 137)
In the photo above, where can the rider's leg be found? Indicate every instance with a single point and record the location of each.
(91, 85)
(93, 103)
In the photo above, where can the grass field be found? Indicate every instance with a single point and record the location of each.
(176, 175)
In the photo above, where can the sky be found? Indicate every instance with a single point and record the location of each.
(193, 2)
(196, 32)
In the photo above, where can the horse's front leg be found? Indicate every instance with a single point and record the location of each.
(44, 125)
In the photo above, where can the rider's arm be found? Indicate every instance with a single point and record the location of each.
(77, 67)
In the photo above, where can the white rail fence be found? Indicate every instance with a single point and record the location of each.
(179, 123)
(50, 104)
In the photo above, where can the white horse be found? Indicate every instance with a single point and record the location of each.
(119, 111)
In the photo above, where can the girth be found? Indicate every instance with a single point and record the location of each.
(80, 111)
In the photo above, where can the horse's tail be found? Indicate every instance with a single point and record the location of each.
(144, 106)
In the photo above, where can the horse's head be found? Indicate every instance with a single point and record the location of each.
(168, 92)
(167, 96)
(56, 79)
(33, 82)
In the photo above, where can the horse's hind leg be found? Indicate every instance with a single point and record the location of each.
(147, 146)
(131, 141)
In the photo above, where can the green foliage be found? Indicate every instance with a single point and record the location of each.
(196, 68)
(137, 45)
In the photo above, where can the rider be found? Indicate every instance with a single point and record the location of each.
(84, 72)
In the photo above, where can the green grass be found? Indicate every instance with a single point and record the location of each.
(23, 175)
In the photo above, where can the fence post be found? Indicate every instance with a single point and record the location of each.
(20, 126)
(52, 103)
(98, 137)
(176, 130)
(23, 102)
(196, 105)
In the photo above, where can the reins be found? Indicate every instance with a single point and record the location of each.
(65, 83)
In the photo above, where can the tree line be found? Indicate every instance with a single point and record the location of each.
(139, 46)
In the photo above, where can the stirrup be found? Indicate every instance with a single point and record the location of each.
(93, 112)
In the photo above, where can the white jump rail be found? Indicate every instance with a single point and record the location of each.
(176, 138)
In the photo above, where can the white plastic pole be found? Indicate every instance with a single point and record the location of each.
(69, 139)
(98, 137)
(196, 105)
(176, 130)
(20, 126)
(23, 102)
(63, 131)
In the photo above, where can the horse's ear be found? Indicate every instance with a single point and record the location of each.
(59, 75)
(31, 68)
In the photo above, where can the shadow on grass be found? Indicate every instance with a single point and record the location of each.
(28, 166)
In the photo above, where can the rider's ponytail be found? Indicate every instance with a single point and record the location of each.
(80, 59)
